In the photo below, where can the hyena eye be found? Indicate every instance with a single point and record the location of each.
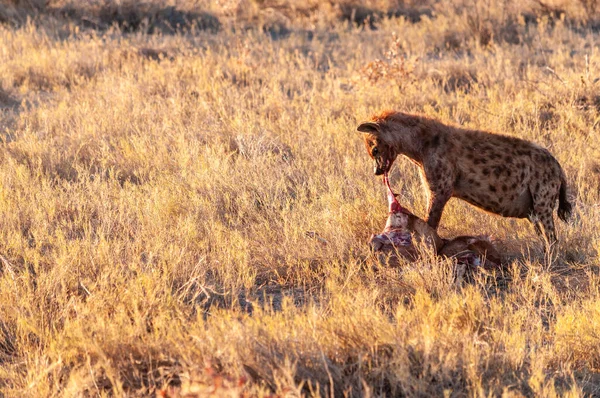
(375, 151)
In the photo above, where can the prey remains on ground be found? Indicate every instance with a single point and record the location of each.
(396, 240)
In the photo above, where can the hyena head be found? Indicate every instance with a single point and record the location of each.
(379, 150)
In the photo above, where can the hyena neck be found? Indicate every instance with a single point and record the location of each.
(407, 142)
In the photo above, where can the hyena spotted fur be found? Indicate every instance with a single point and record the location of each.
(500, 174)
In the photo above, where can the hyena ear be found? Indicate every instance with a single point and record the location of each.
(368, 127)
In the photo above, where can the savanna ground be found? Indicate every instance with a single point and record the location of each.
(185, 202)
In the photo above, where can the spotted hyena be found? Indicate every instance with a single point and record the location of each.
(501, 174)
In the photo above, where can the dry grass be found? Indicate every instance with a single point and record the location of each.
(156, 191)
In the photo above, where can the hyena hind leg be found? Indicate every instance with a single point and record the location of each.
(549, 229)
(544, 225)
(544, 197)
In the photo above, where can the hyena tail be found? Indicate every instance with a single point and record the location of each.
(564, 207)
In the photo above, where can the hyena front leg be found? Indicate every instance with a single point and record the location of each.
(440, 189)
(436, 206)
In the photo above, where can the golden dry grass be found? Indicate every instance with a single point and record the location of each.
(156, 191)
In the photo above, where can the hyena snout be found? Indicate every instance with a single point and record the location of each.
(382, 165)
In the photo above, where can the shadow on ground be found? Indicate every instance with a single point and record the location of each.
(129, 17)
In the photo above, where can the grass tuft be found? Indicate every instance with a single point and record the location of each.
(185, 203)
